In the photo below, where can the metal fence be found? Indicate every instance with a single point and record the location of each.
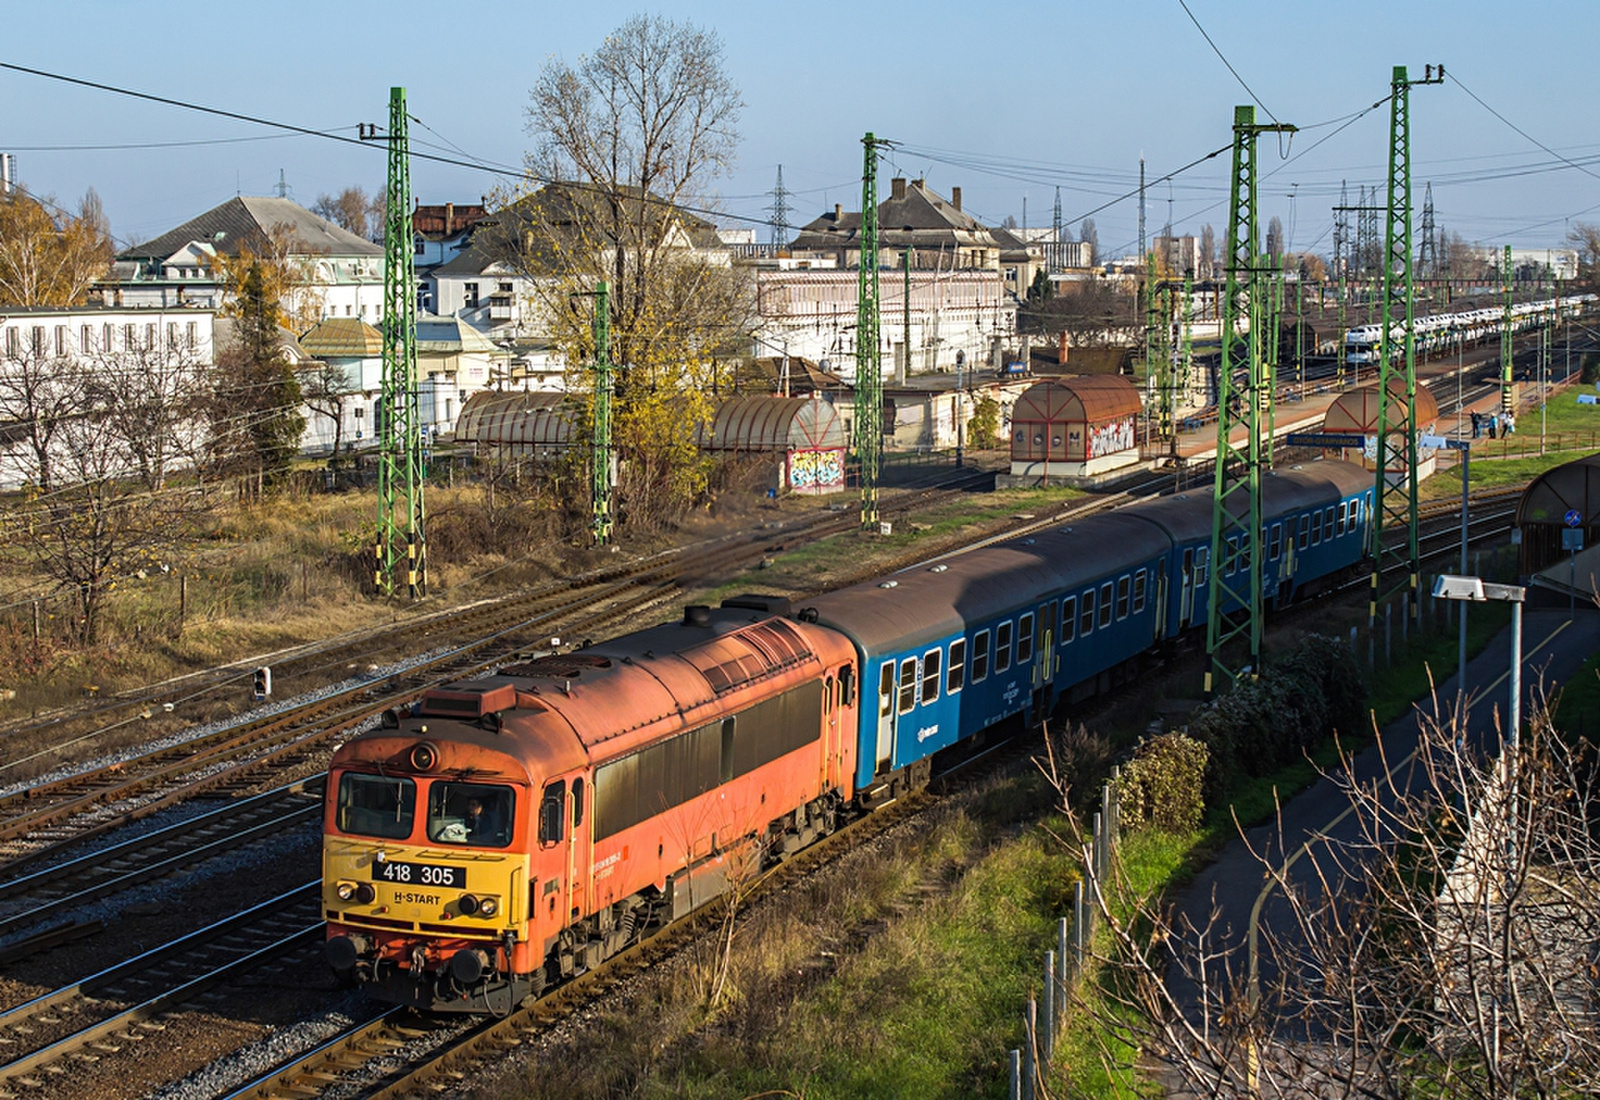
(1063, 967)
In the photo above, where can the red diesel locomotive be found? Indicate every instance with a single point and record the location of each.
(514, 830)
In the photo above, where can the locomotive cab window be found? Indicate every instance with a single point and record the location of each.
(553, 813)
(1025, 639)
(376, 805)
(980, 656)
(470, 813)
(1002, 647)
(957, 667)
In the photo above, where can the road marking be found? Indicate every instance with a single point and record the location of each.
(1266, 891)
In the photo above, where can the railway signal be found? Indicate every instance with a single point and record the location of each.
(261, 682)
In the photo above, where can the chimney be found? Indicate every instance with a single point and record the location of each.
(838, 211)
(955, 198)
(897, 187)
(1061, 349)
(449, 217)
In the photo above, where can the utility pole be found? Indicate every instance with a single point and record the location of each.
(400, 470)
(1234, 600)
(600, 462)
(1056, 228)
(1397, 434)
(1141, 206)
(1507, 402)
(869, 363)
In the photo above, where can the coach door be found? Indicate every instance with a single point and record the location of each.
(1186, 595)
(1044, 659)
(886, 709)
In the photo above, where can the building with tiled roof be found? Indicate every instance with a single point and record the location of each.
(343, 273)
(939, 233)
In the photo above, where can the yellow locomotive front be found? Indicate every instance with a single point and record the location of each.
(425, 867)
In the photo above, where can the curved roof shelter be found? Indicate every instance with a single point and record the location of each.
(540, 422)
(1356, 412)
(1056, 420)
(778, 424)
(1546, 504)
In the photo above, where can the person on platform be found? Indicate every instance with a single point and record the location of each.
(1477, 424)
(1510, 424)
(1494, 425)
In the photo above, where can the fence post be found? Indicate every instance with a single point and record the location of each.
(1049, 1040)
(1388, 634)
(1015, 1092)
(35, 620)
(1094, 849)
(1355, 646)
(1030, 1046)
(1062, 972)
(1080, 917)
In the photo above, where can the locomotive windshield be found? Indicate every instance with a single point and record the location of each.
(470, 813)
(376, 805)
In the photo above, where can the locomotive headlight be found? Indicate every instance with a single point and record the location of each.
(345, 890)
(488, 907)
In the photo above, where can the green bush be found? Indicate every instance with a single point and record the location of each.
(1162, 786)
(1313, 691)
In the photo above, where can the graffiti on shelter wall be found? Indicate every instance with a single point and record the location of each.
(816, 471)
(1110, 437)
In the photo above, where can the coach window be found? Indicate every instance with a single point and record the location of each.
(1105, 605)
(1202, 565)
(1124, 593)
(1069, 619)
(1316, 528)
(1086, 613)
(886, 690)
(1305, 532)
(1139, 582)
(930, 675)
(1230, 559)
(908, 684)
(1025, 639)
(957, 668)
(1002, 647)
(552, 812)
(1276, 546)
(1327, 522)
(1344, 515)
(980, 656)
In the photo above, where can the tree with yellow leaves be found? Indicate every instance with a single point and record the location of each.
(50, 257)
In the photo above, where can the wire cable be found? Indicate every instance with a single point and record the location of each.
(1225, 61)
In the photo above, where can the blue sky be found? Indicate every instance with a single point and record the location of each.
(1005, 102)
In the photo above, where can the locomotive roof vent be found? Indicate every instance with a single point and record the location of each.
(697, 614)
(889, 584)
(469, 699)
(938, 569)
(758, 601)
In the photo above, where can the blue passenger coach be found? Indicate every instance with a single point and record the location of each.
(951, 648)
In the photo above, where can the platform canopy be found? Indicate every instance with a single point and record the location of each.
(1074, 419)
(528, 422)
(778, 424)
(1356, 412)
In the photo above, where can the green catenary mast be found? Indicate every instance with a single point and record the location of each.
(869, 366)
(600, 466)
(400, 472)
(1234, 597)
(1395, 484)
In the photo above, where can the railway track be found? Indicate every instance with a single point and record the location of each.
(237, 758)
(83, 1027)
(66, 887)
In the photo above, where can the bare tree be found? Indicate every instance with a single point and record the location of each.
(1091, 237)
(1445, 947)
(353, 209)
(633, 135)
(326, 390)
(1208, 251)
(1275, 237)
(1585, 237)
(39, 393)
(154, 398)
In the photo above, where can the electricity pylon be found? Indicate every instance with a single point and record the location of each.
(1396, 496)
(1234, 595)
(869, 365)
(600, 468)
(400, 470)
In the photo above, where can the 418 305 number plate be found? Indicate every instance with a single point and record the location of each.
(419, 874)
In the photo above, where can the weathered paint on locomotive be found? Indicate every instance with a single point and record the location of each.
(649, 772)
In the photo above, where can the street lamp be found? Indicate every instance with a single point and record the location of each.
(1476, 590)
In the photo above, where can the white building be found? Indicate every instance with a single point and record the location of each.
(342, 273)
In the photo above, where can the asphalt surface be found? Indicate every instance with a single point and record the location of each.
(1554, 647)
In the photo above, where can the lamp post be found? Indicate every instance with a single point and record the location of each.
(1477, 590)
